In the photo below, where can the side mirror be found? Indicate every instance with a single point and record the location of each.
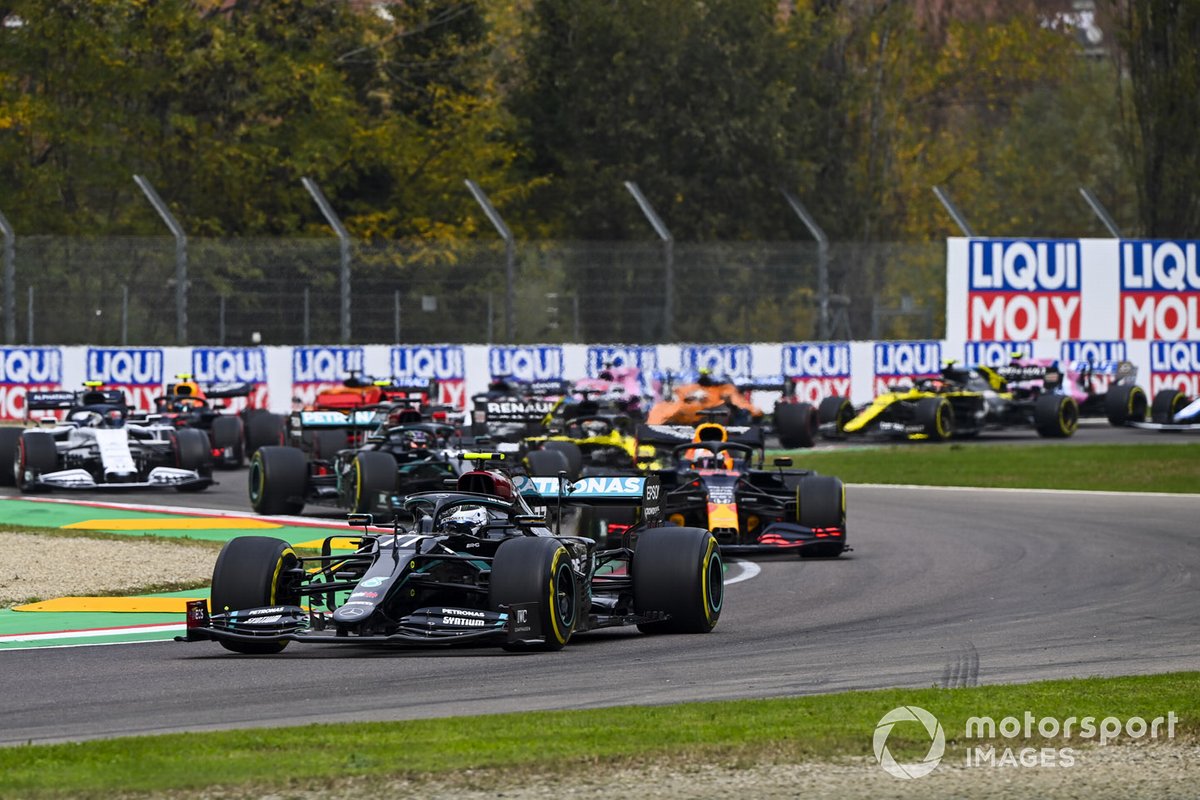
(357, 520)
(782, 461)
(529, 519)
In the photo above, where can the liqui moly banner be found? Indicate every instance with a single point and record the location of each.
(422, 364)
(995, 354)
(609, 356)
(1175, 365)
(1160, 291)
(1054, 290)
(527, 363)
(900, 363)
(317, 369)
(1023, 289)
(727, 361)
(24, 370)
(818, 369)
(234, 365)
(136, 370)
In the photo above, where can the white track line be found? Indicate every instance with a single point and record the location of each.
(749, 570)
(1089, 492)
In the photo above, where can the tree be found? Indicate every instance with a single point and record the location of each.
(1160, 44)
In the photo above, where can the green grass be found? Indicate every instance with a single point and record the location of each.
(511, 747)
(1109, 467)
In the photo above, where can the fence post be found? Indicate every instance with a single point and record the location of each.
(668, 259)
(1100, 211)
(29, 314)
(181, 265)
(396, 309)
(822, 261)
(510, 258)
(306, 320)
(221, 322)
(344, 243)
(10, 281)
(124, 314)
(952, 210)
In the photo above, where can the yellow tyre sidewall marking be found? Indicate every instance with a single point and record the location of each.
(278, 569)
(708, 554)
(559, 635)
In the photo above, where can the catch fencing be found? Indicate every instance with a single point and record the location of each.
(122, 291)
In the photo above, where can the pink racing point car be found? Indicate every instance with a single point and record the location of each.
(1100, 388)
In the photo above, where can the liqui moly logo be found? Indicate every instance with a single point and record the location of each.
(1175, 365)
(601, 357)
(817, 369)
(27, 365)
(229, 365)
(1083, 352)
(1160, 290)
(900, 362)
(325, 364)
(995, 354)
(24, 370)
(1023, 289)
(446, 364)
(138, 371)
(527, 363)
(732, 361)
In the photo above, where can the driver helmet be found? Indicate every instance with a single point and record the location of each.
(467, 520)
(706, 377)
(417, 440)
(113, 418)
(87, 418)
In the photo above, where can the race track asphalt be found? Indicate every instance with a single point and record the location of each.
(945, 587)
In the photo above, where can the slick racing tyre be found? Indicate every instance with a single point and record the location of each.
(36, 454)
(835, 410)
(228, 437)
(263, 428)
(10, 440)
(1056, 416)
(1125, 403)
(192, 450)
(372, 474)
(1167, 403)
(678, 571)
(573, 454)
(278, 480)
(936, 417)
(537, 570)
(253, 572)
(821, 503)
(547, 463)
(795, 424)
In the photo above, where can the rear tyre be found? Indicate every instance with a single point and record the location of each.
(678, 571)
(278, 480)
(371, 473)
(1055, 416)
(795, 424)
(572, 453)
(936, 418)
(252, 572)
(228, 436)
(36, 454)
(263, 428)
(836, 410)
(821, 503)
(1167, 403)
(537, 569)
(546, 463)
(327, 443)
(10, 440)
(1125, 403)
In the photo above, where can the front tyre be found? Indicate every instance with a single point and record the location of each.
(537, 569)
(1055, 416)
(1167, 403)
(678, 572)
(795, 425)
(1125, 403)
(278, 480)
(254, 572)
(821, 503)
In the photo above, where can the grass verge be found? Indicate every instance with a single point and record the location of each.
(1109, 467)
(510, 746)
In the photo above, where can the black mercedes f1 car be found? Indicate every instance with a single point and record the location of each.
(478, 565)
